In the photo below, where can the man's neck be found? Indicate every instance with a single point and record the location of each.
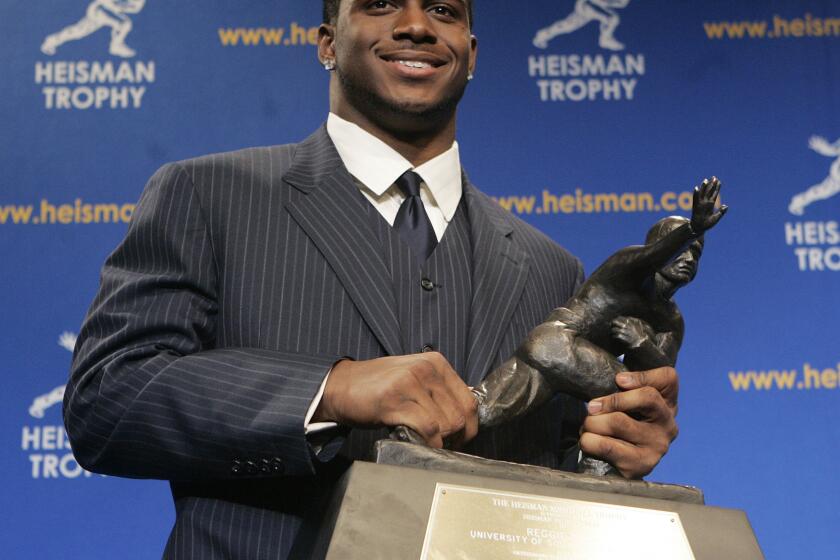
(416, 142)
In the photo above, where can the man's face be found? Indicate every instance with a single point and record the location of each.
(683, 269)
(400, 57)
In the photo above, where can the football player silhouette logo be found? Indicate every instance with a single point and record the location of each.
(99, 14)
(829, 186)
(602, 11)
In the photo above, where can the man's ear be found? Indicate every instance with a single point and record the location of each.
(473, 53)
(326, 42)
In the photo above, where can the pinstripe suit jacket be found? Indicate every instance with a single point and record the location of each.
(243, 277)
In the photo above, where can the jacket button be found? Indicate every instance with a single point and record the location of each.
(427, 284)
(428, 348)
(278, 466)
(265, 466)
(251, 467)
(237, 467)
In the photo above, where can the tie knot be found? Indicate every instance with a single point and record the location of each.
(409, 183)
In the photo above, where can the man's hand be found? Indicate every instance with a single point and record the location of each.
(633, 429)
(420, 391)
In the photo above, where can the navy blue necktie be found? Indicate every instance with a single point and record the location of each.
(412, 222)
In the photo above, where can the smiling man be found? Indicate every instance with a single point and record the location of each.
(272, 311)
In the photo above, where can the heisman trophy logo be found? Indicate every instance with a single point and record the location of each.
(99, 14)
(829, 187)
(587, 76)
(67, 340)
(46, 443)
(816, 243)
(602, 11)
(95, 84)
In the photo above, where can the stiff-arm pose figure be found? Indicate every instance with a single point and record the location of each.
(828, 187)
(625, 307)
(602, 11)
(100, 13)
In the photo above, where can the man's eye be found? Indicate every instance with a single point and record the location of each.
(379, 5)
(444, 11)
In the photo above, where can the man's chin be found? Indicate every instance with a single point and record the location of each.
(407, 107)
(418, 108)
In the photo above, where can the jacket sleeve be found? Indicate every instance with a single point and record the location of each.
(149, 396)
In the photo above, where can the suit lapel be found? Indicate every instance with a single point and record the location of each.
(500, 269)
(334, 216)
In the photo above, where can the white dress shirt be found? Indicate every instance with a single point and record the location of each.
(376, 166)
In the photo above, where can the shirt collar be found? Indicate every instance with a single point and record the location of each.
(377, 166)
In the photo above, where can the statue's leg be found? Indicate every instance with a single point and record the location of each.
(577, 367)
(570, 363)
(511, 390)
(553, 359)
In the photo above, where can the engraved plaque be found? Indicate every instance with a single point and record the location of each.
(477, 524)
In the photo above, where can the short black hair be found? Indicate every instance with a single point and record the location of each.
(331, 11)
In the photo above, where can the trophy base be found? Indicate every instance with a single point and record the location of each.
(390, 452)
(417, 502)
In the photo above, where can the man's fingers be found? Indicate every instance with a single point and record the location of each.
(452, 395)
(644, 401)
(664, 380)
(632, 461)
(420, 391)
(453, 420)
(632, 429)
(466, 403)
(461, 438)
(434, 403)
(644, 406)
(623, 426)
(418, 419)
(617, 425)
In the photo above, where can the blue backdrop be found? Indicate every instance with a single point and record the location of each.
(589, 119)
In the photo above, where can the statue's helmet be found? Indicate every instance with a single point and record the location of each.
(663, 227)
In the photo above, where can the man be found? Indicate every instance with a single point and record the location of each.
(267, 302)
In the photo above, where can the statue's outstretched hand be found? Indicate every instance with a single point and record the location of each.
(703, 214)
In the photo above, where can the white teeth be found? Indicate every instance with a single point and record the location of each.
(414, 64)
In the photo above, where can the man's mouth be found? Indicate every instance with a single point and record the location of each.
(413, 63)
(416, 64)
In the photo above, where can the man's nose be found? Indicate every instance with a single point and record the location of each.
(414, 23)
